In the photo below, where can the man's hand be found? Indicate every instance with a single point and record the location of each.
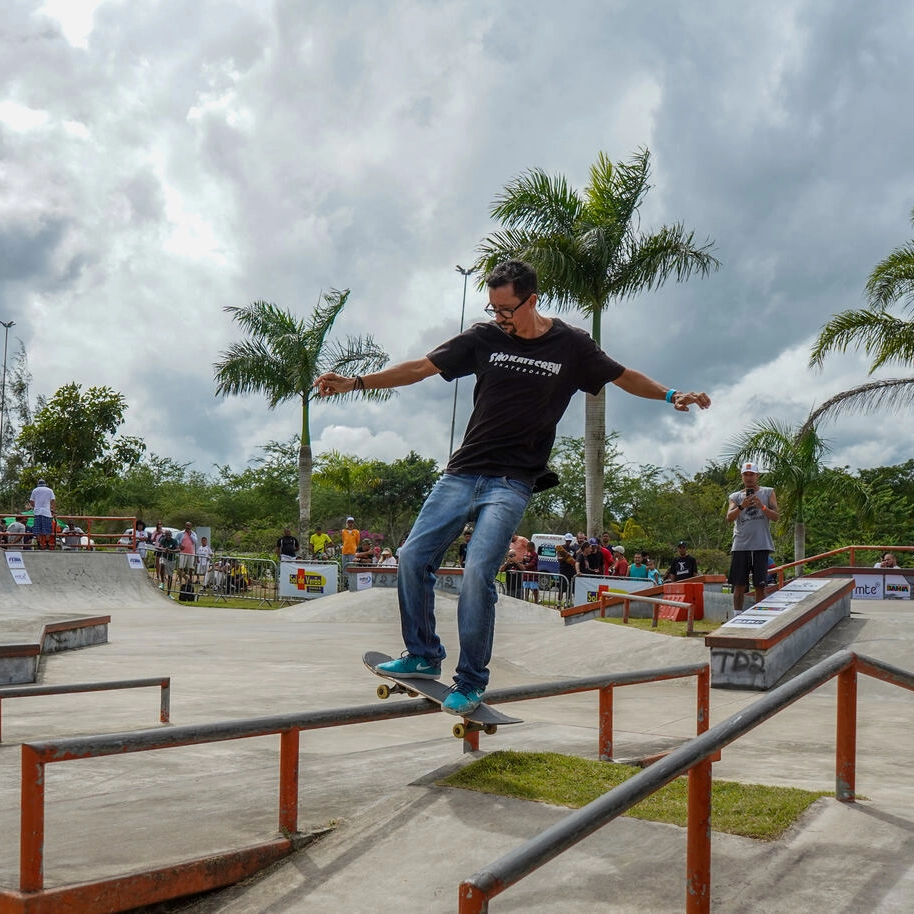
(682, 400)
(333, 383)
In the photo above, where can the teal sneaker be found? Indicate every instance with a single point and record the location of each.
(461, 701)
(410, 666)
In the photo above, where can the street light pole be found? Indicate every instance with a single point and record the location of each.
(466, 276)
(6, 335)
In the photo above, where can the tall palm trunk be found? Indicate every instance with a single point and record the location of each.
(594, 460)
(305, 467)
(594, 451)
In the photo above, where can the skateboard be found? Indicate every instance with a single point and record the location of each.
(483, 717)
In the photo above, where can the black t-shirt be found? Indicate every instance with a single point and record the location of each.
(287, 545)
(523, 388)
(683, 566)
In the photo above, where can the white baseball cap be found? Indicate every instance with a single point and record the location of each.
(749, 467)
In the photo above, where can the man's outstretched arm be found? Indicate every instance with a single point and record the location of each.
(640, 385)
(396, 376)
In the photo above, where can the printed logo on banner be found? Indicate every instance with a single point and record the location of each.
(135, 561)
(897, 587)
(20, 576)
(307, 581)
(14, 560)
(867, 587)
(742, 620)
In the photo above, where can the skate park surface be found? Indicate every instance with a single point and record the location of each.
(397, 840)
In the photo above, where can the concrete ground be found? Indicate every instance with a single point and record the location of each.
(401, 842)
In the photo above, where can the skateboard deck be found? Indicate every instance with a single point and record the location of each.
(484, 717)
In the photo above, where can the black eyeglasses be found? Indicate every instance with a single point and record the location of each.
(506, 313)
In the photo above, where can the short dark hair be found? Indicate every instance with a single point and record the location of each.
(518, 273)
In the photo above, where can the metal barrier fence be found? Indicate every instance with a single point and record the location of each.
(224, 577)
(537, 587)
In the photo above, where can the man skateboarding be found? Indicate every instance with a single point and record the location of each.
(527, 368)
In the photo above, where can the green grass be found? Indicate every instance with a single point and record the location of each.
(751, 810)
(668, 627)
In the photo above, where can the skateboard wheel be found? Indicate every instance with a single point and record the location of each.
(383, 691)
(490, 728)
(412, 694)
(460, 731)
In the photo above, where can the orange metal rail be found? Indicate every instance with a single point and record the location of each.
(145, 888)
(693, 758)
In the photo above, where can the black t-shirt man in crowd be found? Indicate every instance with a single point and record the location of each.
(683, 565)
(527, 368)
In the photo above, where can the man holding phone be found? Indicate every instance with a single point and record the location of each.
(751, 512)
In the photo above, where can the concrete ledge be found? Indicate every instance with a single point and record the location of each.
(19, 660)
(755, 649)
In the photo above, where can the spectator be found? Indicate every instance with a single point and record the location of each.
(620, 565)
(15, 533)
(365, 555)
(2, 533)
(530, 565)
(582, 558)
(387, 558)
(351, 538)
(751, 511)
(167, 550)
(513, 571)
(204, 562)
(683, 565)
(579, 541)
(638, 569)
(319, 541)
(888, 561)
(287, 546)
(566, 568)
(187, 553)
(44, 507)
(154, 538)
(594, 557)
(519, 545)
(653, 575)
(462, 548)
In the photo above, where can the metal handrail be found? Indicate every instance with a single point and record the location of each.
(695, 758)
(72, 688)
(36, 755)
(850, 550)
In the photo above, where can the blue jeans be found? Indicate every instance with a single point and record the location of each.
(495, 505)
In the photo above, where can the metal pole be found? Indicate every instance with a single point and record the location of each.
(465, 274)
(6, 335)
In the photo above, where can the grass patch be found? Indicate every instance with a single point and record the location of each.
(751, 810)
(667, 626)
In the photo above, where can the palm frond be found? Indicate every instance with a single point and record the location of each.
(538, 202)
(892, 279)
(888, 395)
(881, 335)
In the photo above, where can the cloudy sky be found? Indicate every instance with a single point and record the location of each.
(160, 160)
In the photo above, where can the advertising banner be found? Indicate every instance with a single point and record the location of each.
(868, 587)
(307, 580)
(897, 587)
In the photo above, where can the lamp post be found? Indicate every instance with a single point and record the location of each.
(466, 276)
(6, 335)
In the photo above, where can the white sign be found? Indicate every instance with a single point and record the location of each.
(868, 587)
(806, 584)
(20, 576)
(897, 587)
(363, 580)
(14, 560)
(135, 561)
(746, 620)
(307, 580)
(587, 587)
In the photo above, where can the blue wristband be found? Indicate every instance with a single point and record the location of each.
(670, 394)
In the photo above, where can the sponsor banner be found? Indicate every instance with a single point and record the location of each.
(306, 581)
(14, 560)
(748, 619)
(806, 584)
(786, 596)
(767, 608)
(897, 587)
(135, 561)
(587, 587)
(20, 576)
(868, 587)
(364, 580)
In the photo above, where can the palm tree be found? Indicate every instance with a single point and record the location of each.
(281, 358)
(588, 250)
(882, 335)
(794, 458)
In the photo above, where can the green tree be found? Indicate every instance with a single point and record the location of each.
(72, 442)
(794, 459)
(281, 358)
(886, 338)
(589, 251)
